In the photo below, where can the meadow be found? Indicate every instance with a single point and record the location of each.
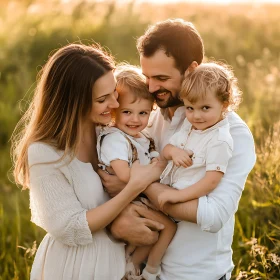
(245, 36)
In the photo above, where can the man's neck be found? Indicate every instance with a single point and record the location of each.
(171, 111)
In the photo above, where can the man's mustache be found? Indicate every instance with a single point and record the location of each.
(160, 91)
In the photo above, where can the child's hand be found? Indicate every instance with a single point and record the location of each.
(181, 157)
(168, 196)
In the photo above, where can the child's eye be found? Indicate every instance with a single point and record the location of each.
(126, 112)
(189, 108)
(205, 108)
(143, 113)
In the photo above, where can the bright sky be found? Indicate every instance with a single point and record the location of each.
(225, 2)
(222, 2)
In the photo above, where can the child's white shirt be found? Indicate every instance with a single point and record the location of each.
(112, 144)
(212, 148)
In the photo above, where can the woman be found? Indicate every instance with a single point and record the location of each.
(55, 157)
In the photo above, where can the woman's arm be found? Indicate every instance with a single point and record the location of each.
(56, 208)
(141, 176)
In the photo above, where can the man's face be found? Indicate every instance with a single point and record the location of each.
(163, 78)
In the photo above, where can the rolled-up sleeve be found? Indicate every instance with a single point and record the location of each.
(215, 209)
(53, 202)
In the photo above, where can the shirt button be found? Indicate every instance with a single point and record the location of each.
(218, 168)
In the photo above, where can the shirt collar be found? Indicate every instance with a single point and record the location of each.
(179, 113)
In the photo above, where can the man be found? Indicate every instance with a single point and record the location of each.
(201, 248)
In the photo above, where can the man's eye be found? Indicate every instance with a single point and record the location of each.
(162, 79)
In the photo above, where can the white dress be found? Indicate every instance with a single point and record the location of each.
(60, 195)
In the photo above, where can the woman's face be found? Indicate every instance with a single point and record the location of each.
(104, 99)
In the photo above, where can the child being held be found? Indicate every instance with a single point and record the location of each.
(119, 146)
(200, 151)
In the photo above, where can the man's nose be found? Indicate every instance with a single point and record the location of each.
(153, 85)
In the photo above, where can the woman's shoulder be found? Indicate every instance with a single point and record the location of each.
(40, 152)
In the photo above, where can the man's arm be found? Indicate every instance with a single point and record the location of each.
(213, 211)
(186, 211)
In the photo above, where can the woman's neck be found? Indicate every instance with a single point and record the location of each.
(86, 150)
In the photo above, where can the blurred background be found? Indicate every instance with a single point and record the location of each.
(245, 35)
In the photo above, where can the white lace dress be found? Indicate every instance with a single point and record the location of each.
(60, 195)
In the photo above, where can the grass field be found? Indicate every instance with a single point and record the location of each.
(245, 36)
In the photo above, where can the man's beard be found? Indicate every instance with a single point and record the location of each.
(172, 101)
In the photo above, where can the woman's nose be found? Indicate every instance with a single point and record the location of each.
(113, 103)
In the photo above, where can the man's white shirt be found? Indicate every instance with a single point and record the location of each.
(203, 251)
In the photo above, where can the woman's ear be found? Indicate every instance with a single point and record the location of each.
(193, 65)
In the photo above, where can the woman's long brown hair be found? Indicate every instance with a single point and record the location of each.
(63, 97)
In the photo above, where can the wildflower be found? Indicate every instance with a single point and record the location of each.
(242, 275)
(274, 258)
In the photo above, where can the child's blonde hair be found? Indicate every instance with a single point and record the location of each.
(212, 77)
(130, 78)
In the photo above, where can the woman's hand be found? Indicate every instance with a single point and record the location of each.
(168, 196)
(143, 175)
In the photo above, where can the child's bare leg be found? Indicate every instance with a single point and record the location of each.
(157, 251)
(129, 249)
(140, 255)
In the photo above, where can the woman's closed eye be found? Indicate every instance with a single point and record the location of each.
(101, 100)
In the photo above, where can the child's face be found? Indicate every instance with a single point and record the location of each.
(205, 112)
(130, 117)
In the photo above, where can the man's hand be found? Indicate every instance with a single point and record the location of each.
(133, 226)
(112, 184)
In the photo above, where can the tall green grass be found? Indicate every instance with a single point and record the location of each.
(247, 37)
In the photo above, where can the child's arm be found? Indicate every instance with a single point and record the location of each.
(179, 156)
(203, 187)
(121, 169)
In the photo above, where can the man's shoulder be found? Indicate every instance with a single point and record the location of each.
(234, 119)
(239, 130)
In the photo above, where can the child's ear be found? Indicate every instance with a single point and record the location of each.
(225, 106)
(193, 65)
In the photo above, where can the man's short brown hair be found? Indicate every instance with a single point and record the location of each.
(178, 38)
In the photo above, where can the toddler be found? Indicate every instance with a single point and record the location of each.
(200, 151)
(119, 146)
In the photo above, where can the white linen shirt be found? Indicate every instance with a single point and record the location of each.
(203, 251)
(212, 149)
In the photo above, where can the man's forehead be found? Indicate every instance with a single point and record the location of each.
(158, 65)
